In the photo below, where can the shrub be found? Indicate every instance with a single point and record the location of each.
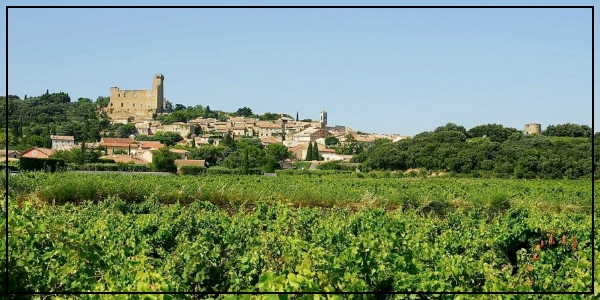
(106, 161)
(222, 171)
(192, 170)
(41, 164)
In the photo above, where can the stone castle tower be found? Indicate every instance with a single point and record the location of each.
(532, 128)
(138, 105)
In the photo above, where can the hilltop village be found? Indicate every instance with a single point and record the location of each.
(139, 130)
(144, 109)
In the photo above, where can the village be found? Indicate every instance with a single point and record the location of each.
(141, 108)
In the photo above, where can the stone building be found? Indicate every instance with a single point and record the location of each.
(139, 105)
(533, 128)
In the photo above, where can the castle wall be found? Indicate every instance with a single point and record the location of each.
(139, 104)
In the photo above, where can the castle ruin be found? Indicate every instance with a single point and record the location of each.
(533, 128)
(137, 105)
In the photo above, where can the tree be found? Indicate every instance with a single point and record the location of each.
(179, 107)
(167, 137)
(309, 152)
(102, 101)
(244, 112)
(278, 151)
(228, 140)
(246, 161)
(315, 153)
(331, 141)
(568, 130)
(169, 106)
(163, 160)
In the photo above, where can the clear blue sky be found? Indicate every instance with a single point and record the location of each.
(376, 70)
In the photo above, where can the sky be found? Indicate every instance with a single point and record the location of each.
(402, 71)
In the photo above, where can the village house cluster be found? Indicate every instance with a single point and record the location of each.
(141, 108)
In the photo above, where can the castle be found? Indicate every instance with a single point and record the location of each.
(137, 105)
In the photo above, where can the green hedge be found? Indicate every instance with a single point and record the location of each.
(41, 164)
(111, 167)
(223, 171)
(106, 161)
(192, 170)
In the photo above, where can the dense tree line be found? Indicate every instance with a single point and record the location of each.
(247, 153)
(31, 121)
(491, 149)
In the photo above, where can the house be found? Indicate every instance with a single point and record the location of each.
(310, 134)
(183, 154)
(268, 130)
(337, 157)
(269, 140)
(118, 145)
(241, 131)
(182, 129)
(11, 155)
(299, 151)
(143, 128)
(124, 158)
(60, 142)
(38, 153)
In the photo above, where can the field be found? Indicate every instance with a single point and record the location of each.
(293, 233)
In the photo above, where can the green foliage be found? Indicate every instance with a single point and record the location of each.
(120, 167)
(502, 153)
(163, 160)
(192, 170)
(41, 164)
(309, 152)
(315, 152)
(568, 130)
(332, 141)
(120, 130)
(244, 112)
(278, 151)
(77, 156)
(268, 116)
(144, 246)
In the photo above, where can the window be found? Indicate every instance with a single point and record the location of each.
(134, 103)
(119, 95)
(134, 95)
(121, 104)
(124, 94)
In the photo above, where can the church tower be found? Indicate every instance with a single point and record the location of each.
(323, 120)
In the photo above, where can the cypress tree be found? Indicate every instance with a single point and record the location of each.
(246, 161)
(309, 152)
(315, 154)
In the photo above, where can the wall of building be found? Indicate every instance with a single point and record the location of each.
(140, 104)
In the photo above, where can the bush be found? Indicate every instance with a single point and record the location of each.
(106, 161)
(110, 167)
(192, 170)
(41, 164)
(223, 171)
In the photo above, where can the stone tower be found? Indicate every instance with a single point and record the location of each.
(532, 128)
(323, 119)
(158, 90)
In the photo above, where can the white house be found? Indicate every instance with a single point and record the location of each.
(60, 142)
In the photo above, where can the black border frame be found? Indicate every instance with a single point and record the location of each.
(6, 292)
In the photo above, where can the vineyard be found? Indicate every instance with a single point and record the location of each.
(295, 233)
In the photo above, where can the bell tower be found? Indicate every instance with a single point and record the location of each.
(323, 119)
